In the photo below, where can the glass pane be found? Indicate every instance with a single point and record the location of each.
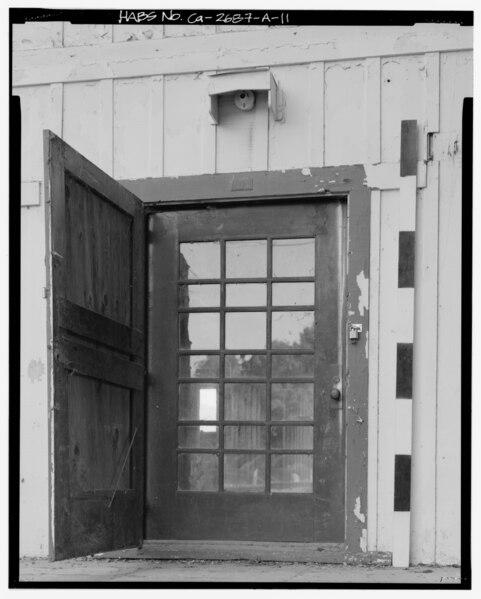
(245, 401)
(245, 330)
(198, 472)
(248, 366)
(292, 401)
(293, 257)
(246, 259)
(244, 473)
(199, 366)
(245, 437)
(199, 437)
(291, 437)
(291, 473)
(199, 331)
(199, 260)
(198, 401)
(291, 366)
(199, 296)
(293, 329)
(246, 294)
(293, 294)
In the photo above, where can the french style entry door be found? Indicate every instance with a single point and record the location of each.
(245, 410)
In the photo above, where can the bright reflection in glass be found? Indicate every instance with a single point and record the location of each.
(200, 330)
(293, 330)
(199, 296)
(293, 257)
(246, 294)
(293, 294)
(245, 330)
(198, 401)
(199, 366)
(199, 260)
(246, 259)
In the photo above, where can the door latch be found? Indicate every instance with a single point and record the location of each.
(355, 331)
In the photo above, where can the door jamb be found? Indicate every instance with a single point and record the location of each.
(315, 183)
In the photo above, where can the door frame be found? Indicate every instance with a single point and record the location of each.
(349, 183)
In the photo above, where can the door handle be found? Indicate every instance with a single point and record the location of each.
(335, 394)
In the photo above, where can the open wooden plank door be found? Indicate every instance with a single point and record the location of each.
(96, 252)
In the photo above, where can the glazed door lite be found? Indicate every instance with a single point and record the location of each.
(244, 440)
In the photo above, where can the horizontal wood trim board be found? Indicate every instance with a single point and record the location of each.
(297, 45)
(328, 553)
(99, 328)
(97, 364)
(266, 186)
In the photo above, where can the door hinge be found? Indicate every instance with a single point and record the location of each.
(45, 292)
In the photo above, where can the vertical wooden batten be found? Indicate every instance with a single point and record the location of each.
(316, 117)
(372, 109)
(156, 126)
(425, 372)
(373, 393)
(106, 133)
(208, 137)
(56, 108)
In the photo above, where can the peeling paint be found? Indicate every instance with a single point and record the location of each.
(363, 285)
(307, 172)
(363, 540)
(366, 345)
(357, 511)
(36, 370)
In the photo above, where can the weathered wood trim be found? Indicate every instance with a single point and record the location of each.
(357, 367)
(106, 136)
(83, 359)
(93, 325)
(56, 108)
(432, 92)
(160, 193)
(156, 126)
(373, 401)
(325, 553)
(425, 375)
(372, 111)
(317, 114)
(192, 54)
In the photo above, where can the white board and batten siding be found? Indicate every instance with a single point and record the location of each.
(345, 96)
